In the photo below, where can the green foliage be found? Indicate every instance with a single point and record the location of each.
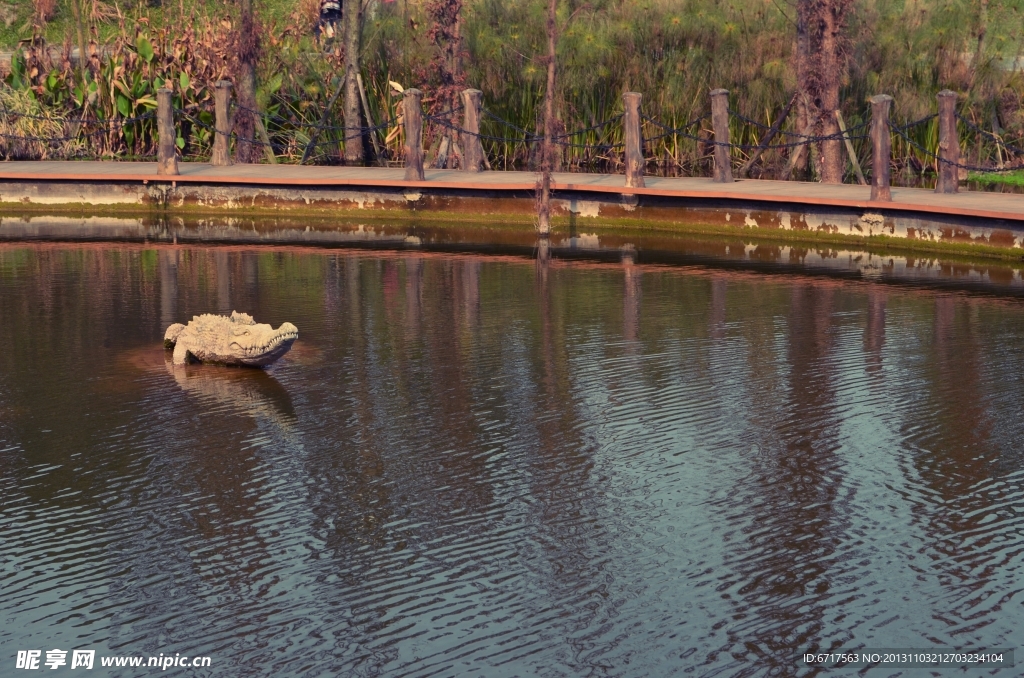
(30, 130)
(673, 51)
(1015, 179)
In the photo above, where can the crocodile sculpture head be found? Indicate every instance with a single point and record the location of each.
(237, 340)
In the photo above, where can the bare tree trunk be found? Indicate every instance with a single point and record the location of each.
(798, 156)
(446, 70)
(353, 138)
(547, 153)
(832, 66)
(981, 32)
(821, 67)
(78, 12)
(246, 150)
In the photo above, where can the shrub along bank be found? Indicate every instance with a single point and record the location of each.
(673, 51)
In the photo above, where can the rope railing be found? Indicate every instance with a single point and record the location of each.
(528, 137)
(915, 123)
(669, 130)
(807, 139)
(994, 137)
(110, 122)
(851, 134)
(901, 132)
(88, 128)
(478, 135)
(115, 122)
(500, 120)
(292, 134)
(810, 138)
(360, 131)
(531, 138)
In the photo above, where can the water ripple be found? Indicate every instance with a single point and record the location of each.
(486, 466)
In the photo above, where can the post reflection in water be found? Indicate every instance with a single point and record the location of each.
(500, 465)
(168, 263)
(874, 331)
(631, 298)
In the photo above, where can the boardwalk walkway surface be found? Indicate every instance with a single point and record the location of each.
(915, 200)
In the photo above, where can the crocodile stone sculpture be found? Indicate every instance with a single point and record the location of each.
(235, 340)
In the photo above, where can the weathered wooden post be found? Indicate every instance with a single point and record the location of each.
(720, 123)
(634, 140)
(412, 108)
(221, 156)
(472, 149)
(949, 145)
(166, 160)
(881, 148)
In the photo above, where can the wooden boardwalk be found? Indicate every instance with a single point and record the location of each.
(1003, 206)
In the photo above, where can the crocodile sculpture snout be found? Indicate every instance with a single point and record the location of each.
(234, 340)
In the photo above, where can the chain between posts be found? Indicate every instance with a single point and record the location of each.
(107, 124)
(713, 142)
(994, 137)
(93, 127)
(901, 131)
(809, 137)
(110, 122)
(363, 131)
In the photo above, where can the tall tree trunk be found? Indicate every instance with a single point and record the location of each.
(798, 156)
(353, 139)
(979, 50)
(821, 67)
(445, 70)
(547, 150)
(246, 149)
(832, 65)
(78, 12)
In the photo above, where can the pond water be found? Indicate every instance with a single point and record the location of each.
(499, 466)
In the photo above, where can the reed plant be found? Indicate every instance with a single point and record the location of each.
(32, 131)
(672, 51)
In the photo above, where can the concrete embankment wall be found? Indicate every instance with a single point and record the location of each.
(741, 251)
(505, 206)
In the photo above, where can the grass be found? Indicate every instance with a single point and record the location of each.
(1014, 178)
(16, 17)
(673, 51)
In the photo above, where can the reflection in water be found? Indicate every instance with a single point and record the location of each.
(505, 466)
(223, 282)
(168, 263)
(252, 392)
(718, 288)
(631, 299)
(874, 331)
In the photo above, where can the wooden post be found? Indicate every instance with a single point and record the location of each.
(413, 111)
(634, 140)
(472, 149)
(720, 123)
(881, 148)
(166, 160)
(949, 145)
(221, 156)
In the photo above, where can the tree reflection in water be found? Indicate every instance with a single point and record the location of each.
(504, 465)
